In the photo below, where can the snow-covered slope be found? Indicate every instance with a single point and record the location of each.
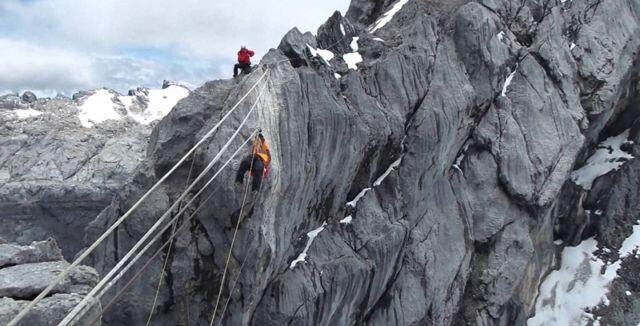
(142, 105)
(62, 159)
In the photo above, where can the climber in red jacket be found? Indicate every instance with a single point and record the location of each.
(244, 61)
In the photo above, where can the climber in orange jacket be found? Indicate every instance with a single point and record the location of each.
(258, 162)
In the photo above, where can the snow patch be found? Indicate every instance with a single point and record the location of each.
(354, 202)
(326, 55)
(456, 164)
(576, 286)
(342, 29)
(160, 102)
(557, 242)
(573, 45)
(388, 15)
(352, 59)
(628, 293)
(346, 220)
(392, 167)
(302, 257)
(501, 35)
(507, 81)
(378, 39)
(26, 113)
(354, 44)
(155, 104)
(312, 50)
(337, 75)
(631, 243)
(607, 157)
(98, 108)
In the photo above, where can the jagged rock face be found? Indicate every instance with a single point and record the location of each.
(26, 270)
(56, 171)
(479, 111)
(488, 105)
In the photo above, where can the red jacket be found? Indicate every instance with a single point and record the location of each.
(244, 56)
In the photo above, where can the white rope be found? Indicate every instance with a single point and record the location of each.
(97, 288)
(65, 272)
(157, 237)
(235, 233)
(166, 227)
(166, 259)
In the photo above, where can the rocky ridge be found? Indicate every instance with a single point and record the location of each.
(424, 153)
(488, 106)
(58, 169)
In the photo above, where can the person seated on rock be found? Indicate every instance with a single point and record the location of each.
(244, 61)
(258, 162)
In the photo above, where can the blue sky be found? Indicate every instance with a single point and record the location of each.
(62, 46)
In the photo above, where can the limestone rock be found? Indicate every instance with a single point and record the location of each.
(42, 251)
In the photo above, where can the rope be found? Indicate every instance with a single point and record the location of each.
(166, 259)
(157, 237)
(226, 304)
(235, 233)
(147, 264)
(109, 231)
(224, 309)
(83, 303)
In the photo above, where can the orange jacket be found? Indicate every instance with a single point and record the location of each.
(261, 149)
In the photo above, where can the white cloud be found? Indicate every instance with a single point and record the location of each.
(26, 65)
(70, 45)
(204, 29)
(49, 70)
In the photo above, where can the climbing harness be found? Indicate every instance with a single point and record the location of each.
(235, 233)
(233, 286)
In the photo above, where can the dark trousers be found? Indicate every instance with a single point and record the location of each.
(245, 67)
(256, 169)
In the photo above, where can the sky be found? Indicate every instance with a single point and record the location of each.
(63, 46)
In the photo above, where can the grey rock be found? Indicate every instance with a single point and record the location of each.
(295, 46)
(432, 244)
(41, 251)
(50, 311)
(57, 175)
(30, 270)
(330, 36)
(29, 97)
(460, 233)
(11, 101)
(28, 280)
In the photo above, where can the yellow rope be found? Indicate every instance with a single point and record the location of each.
(235, 233)
(166, 243)
(166, 259)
